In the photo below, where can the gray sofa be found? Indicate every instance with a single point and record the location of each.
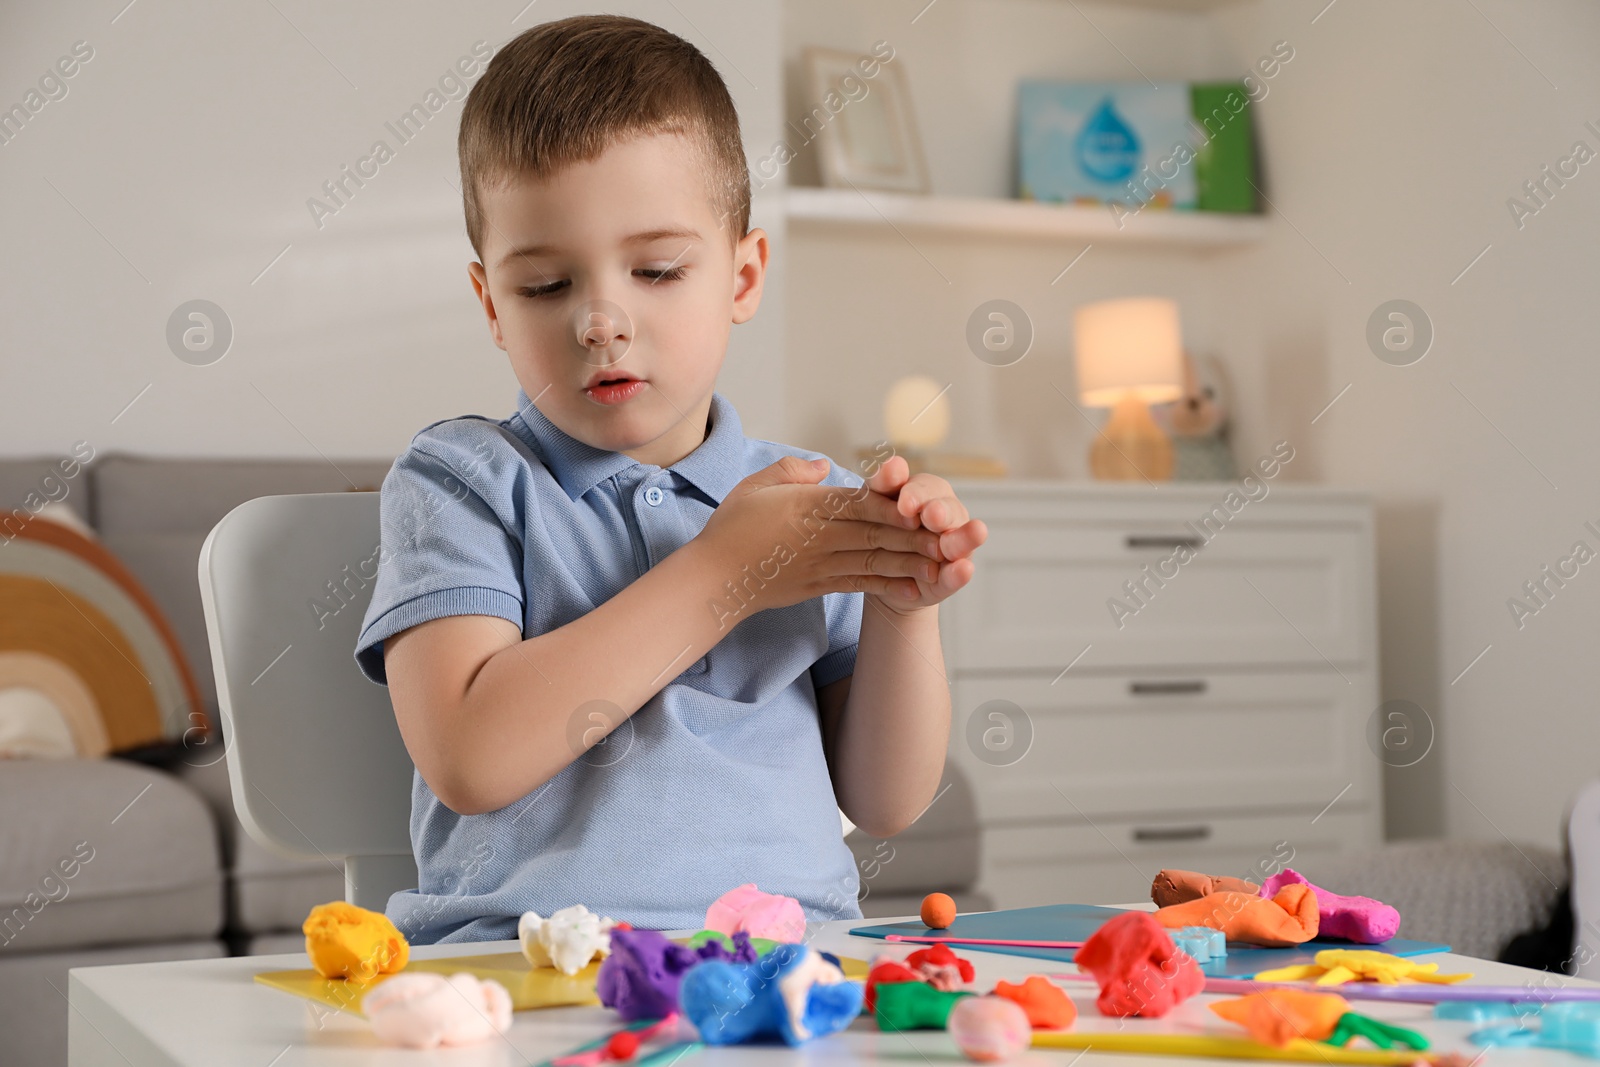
(172, 875)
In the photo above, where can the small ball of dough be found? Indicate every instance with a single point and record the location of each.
(938, 911)
(989, 1029)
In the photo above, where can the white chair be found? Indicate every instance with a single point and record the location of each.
(1583, 842)
(314, 755)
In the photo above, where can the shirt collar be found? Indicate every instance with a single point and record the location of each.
(714, 468)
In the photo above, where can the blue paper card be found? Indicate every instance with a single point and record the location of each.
(1075, 922)
(1093, 141)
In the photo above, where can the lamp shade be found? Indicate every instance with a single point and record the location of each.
(1131, 345)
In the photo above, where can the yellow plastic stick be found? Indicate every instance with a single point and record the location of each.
(1231, 1048)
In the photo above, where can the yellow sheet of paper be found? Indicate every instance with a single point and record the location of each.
(530, 987)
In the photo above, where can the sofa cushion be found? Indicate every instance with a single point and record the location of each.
(155, 514)
(103, 852)
(72, 607)
(26, 483)
(938, 852)
(267, 890)
(1471, 895)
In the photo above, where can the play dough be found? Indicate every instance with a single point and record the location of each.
(567, 941)
(1288, 918)
(345, 941)
(1177, 887)
(641, 976)
(915, 1006)
(938, 911)
(1335, 966)
(426, 1010)
(989, 1029)
(791, 993)
(1139, 970)
(940, 967)
(1279, 1016)
(749, 910)
(1046, 1004)
(1360, 919)
(886, 970)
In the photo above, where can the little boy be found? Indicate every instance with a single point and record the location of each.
(638, 658)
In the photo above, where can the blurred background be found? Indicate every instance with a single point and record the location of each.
(1395, 290)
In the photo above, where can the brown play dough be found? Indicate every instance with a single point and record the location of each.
(1290, 918)
(1178, 887)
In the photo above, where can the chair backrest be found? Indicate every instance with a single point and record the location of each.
(1583, 842)
(314, 755)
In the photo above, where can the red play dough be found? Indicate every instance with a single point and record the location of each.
(1047, 1004)
(886, 971)
(940, 967)
(1138, 969)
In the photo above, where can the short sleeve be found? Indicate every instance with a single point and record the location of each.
(444, 550)
(842, 610)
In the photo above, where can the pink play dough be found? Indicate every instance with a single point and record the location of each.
(749, 910)
(1360, 919)
(426, 1010)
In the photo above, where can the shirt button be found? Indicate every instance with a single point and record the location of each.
(653, 496)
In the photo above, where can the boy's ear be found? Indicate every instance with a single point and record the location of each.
(480, 286)
(749, 273)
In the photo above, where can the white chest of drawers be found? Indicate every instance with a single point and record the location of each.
(1163, 677)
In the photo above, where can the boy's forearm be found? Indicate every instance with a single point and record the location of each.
(524, 717)
(890, 747)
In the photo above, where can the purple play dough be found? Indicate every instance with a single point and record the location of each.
(1360, 919)
(641, 976)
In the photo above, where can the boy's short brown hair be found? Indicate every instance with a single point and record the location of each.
(565, 91)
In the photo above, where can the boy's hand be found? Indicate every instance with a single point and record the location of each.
(800, 540)
(929, 500)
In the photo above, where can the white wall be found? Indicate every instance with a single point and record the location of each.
(1392, 141)
(184, 153)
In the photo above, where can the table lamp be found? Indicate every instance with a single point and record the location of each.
(1130, 355)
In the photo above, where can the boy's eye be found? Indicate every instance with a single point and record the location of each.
(670, 274)
(542, 290)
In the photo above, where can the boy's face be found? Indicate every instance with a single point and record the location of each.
(616, 269)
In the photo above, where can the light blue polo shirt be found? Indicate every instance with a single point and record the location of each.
(718, 780)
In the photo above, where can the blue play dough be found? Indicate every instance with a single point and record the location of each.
(733, 1003)
(1075, 922)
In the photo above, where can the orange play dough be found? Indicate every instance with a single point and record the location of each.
(1290, 918)
(345, 941)
(938, 911)
(1047, 1005)
(1278, 1016)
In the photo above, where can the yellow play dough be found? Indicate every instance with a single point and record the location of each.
(345, 941)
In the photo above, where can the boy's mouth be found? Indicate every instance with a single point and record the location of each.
(613, 388)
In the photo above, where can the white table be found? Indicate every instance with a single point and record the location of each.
(212, 1013)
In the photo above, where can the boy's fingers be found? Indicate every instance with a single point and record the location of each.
(942, 513)
(785, 470)
(890, 475)
(888, 564)
(853, 534)
(867, 505)
(963, 540)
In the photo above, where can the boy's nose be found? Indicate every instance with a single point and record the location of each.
(603, 331)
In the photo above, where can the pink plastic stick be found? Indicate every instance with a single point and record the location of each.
(983, 941)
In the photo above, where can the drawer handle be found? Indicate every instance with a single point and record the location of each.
(1179, 688)
(1173, 541)
(1171, 833)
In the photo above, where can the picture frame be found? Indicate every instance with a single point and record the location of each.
(863, 124)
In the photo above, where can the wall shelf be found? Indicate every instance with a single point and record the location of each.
(1016, 219)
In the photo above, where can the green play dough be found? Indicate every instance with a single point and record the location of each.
(914, 1006)
(762, 945)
